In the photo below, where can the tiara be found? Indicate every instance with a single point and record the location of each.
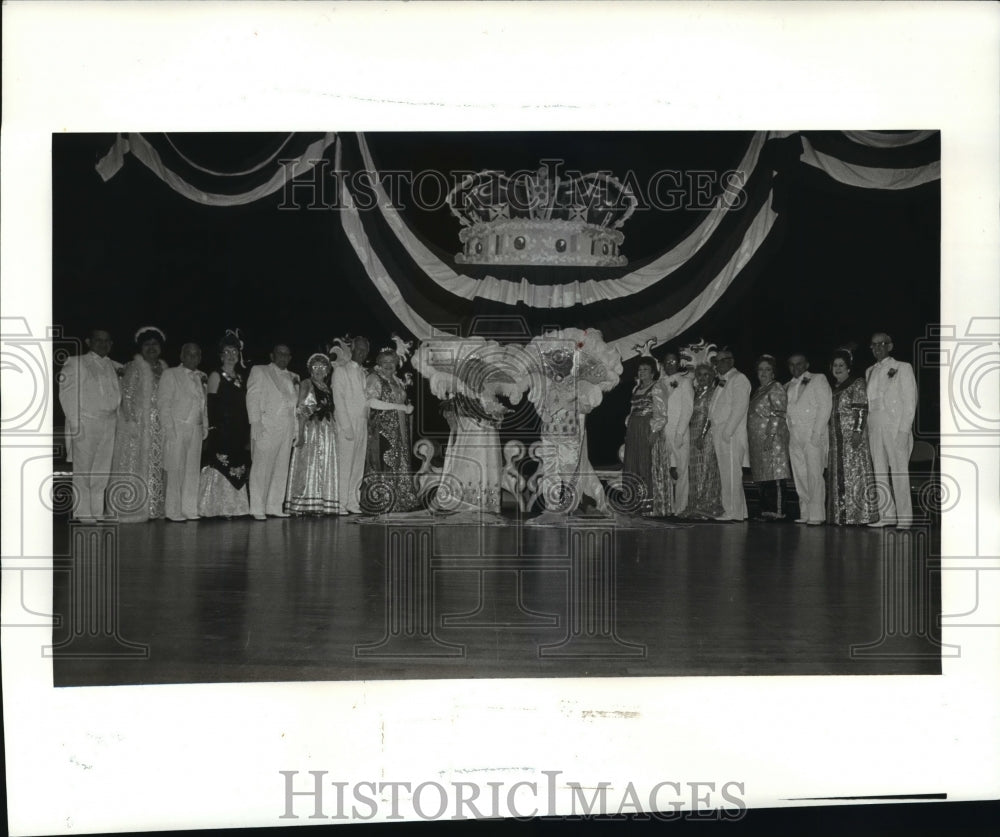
(317, 356)
(146, 328)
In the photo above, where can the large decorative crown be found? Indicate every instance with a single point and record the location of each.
(541, 218)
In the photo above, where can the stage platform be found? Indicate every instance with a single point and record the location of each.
(316, 599)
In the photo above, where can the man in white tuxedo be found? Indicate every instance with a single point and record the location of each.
(809, 404)
(678, 392)
(183, 402)
(350, 409)
(728, 415)
(271, 399)
(89, 395)
(892, 404)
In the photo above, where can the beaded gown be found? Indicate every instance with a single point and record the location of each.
(313, 477)
(388, 482)
(767, 433)
(136, 491)
(851, 496)
(472, 462)
(222, 491)
(705, 493)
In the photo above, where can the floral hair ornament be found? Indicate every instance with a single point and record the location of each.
(148, 328)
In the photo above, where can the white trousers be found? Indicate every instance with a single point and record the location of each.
(680, 456)
(808, 461)
(271, 455)
(730, 455)
(182, 463)
(891, 462)
(92, 448)
(351, 461)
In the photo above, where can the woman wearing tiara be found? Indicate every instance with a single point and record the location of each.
(139, 434)
(388, 482)
(312, 479)
(705, 492)
(767, 437)
(222, 491)
(851, 497)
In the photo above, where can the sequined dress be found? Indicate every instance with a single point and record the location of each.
(767, 433)
(388, 482)
(136, 489)
(705, 493)
(222, 491)
(851, 496)
(472, 463)
(313, 477)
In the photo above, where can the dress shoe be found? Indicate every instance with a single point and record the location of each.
(194, 517)
(801, 520)
(881, 524)
(815, 522)
(281, 514)
(903, 526)
(260, 517)
(177, 519)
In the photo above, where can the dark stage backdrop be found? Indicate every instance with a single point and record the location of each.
(845, 262)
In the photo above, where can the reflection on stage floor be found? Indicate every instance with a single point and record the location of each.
(327, 599)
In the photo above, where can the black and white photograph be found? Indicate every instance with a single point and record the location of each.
(438, 454)
(524, 404)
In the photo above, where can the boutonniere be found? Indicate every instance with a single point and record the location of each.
(202, 377)
(720, 382)
(295, 379)
(673, 384)
(805, 380)
(892, 372)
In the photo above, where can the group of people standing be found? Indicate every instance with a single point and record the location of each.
(183, 444)
(846, 447)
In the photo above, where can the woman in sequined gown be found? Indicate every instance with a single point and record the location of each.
(312, 477)
(388, 482)
(851, 497)
(705, 494)
(767, 435)
(139, 496)
(640, 439)
(222, 491)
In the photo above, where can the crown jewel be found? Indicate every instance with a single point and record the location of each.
(541, 218)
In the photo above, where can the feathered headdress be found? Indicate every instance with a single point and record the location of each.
(698, 353)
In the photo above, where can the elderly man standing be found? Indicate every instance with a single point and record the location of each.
(728, 414)
(271, 399)
(892, 404)
(183, 411)
(809, 404)
(351, 414)
(678, 394)
(89, 395)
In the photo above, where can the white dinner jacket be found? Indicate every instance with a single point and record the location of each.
(271, 398)
(893, 389)
(809, 404)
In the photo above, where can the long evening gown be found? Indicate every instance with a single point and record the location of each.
(136, 491)
(388, 481)
(472, 462)
(222, 491)
(638, 459)
(851, 496)
(767, 439)
(705, 493)
(312, 477)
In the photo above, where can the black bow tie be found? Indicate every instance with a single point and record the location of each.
(720, 382)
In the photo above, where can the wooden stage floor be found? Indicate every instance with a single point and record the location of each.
(329, 599)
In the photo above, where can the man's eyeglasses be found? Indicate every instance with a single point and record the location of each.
(880, 343)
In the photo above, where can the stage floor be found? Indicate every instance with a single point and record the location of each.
(329, 599)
